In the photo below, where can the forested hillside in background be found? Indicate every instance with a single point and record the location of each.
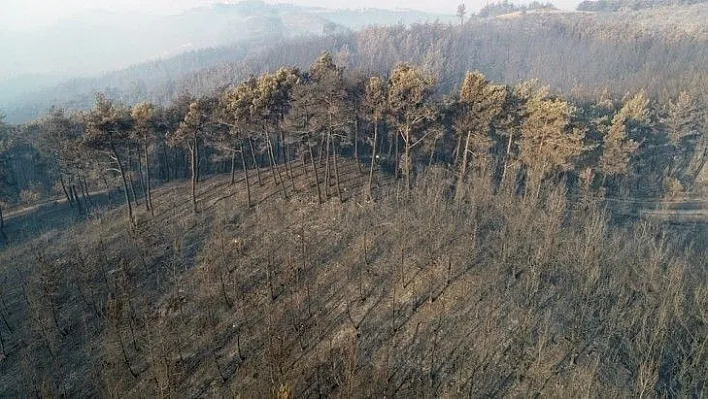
(78, 45)
(93, 43)
(575, 53)
(615, 5)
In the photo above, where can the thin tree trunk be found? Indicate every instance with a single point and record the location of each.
(282, 157)
(76, 197)
(255, 162)
(142, 178)
(322, 144)
(71, 192)
(275, 169)
(125, 354)
(193, 153)
(2, 224)
(356, 144)
(327, 182)
(132, 181)
(245, 172)
(2, 341)
(390, 147)
(85, 191)
(288, 169)
(147, 179)
(132, 192)
(303, 159)
(63, 187)
(317, 176)
(507, 155)
(233, 167)
(456, 154)
(197, 161)
(336, 172)
(373, 158)
(125, 186)
(166, 172)
(432, 152)
(407, 161)
(463, 167)
(409, 165)
(395, 159)
(108, 188)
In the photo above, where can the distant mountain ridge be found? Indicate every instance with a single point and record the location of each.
(617, 5)
(96, 42)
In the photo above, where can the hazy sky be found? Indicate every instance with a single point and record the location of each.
(28, 14)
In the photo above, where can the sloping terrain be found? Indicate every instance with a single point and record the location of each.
(411, 295)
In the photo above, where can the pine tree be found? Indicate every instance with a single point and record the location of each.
(60, 141)
(681, 122)
(191, 134)
(107, 131)
(509, 123)
(375, 108)
(237, 104)
(334, 116)
(144, 118)
(270, 105)
(479, 103)
(549, 141)
(617, 148)
(409, 101)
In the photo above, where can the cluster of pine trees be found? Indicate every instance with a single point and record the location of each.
(631, 147)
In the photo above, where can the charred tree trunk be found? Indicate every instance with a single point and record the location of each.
(194, 152)
(245, 172)
(327, 174)
(125, 185)
(274, 167)
(463, 167)
(131, 180)
(288, 168)
(108, 187)
(373, 159)
(408, 162)
(456, 153)
(233, 167)
(356, 144)
(2, 225)
(317, 176)
(507, 155)
(74, 194)
(336, 172)
(390, 147)
(322, 144)
(395, 158)
(255, 162)
(432, 152)
(148, 186)
(142, 178)
(85, 191)
(166, 170)
(66, 193)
